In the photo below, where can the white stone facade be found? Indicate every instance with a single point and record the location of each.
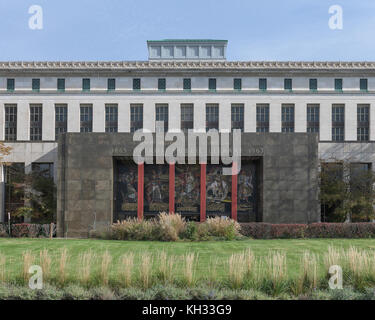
(174, 96)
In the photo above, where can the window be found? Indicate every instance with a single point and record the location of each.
(238, 116)
(111, 84)
(363, 84)
(162, 85)
(360, 178)
(288, 84)
(86, 84)
(137, 84)
(35, 84)
(162, 115)
(212, 116)
(61, 119)
(313, 118)
(287, 118)
(10, 122)
(10, 85)
(42, 169)
(61, 85)
(338, 122)
(363, 116)
(14, 175)
(36, 122)
(313, 84)
(263, 84)
(338, 84)
(136, 117)
(187, 84)
(111, 118)
(187, 117)
(263, 117)
(212, 84)
(86, 118)
(237, 84)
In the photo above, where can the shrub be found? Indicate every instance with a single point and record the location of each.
(169, 226)
(314, 230)
(31, 230)
(220, 227)
(190, 232)
(134, 229)
(3, 230)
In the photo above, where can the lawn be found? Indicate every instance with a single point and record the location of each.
(207, 252)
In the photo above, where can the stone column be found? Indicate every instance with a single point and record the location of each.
(200, 116)
(73, 117)
(2, 194)
(23, 121)
(300, 117)
(351, 121)
(174, 116)
(250, 117)
(98, 117)
(124, 116)
(225, 117)
(149, 116)
(325, 114)
(275, 117)
(48, 123)
(372, 122)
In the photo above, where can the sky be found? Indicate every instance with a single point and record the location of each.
(283, 30)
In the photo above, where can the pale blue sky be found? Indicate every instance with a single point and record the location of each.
(118, 29)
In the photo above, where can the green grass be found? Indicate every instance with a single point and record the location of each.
(207, 251)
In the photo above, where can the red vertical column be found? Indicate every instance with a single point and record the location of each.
(141, 172)
(234, 191)
(171, 187)
(203, 192)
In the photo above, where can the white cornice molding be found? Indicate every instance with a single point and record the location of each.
(184, 65)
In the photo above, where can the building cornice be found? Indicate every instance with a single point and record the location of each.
(186, 65)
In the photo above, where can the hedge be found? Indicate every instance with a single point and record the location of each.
(29, 230)
(314, 230)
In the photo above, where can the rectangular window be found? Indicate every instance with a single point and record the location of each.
(162, 84)
(238, 116)
(263, 117)
(10, 85)
(61, 119)
(111, 85)
(187, 84)
(287, 118)
(288, 84)
(363, 122)
(212, 116)
(313, 84)
(338, 84)
(263, 84)
(360, 178)
(35, 84)
(363, 84)
(136, 117)
(162, 115)
(42, 169)
(237, 84)
(187, 117)
(212, 84)
(86, 118)
(36, 116)
(338, 122)
(85, 84)
(137, 84)
(313, 118)
(10, 122)
(111, 118)
(61, 85)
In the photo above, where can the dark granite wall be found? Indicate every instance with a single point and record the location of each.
(289, 183)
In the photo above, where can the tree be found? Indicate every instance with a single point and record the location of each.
(347, 192)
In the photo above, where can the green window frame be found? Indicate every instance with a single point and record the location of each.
(187, 84)
(137, 84)
(162, 84)
(313, 85)
(212, 84)
(288, 84)
(338, 84)
(61, 85)
(111, 84)
(10, 85)
(35, 85)
(363, 84)
(86, 84)
(262, 84)
(237, 84)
